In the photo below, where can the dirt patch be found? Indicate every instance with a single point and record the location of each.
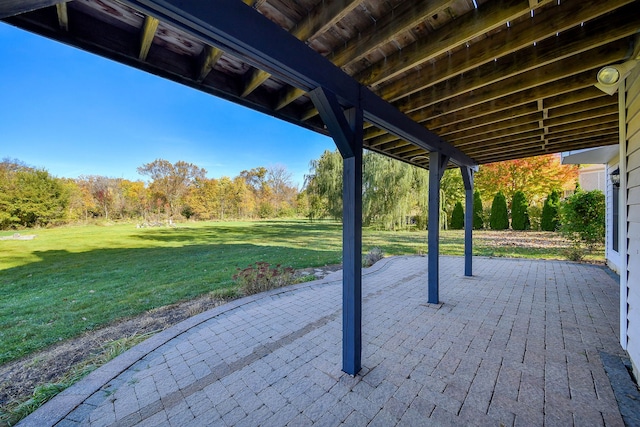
(20, 377)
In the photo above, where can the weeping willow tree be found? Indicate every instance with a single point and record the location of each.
(387, 196)
(324, 186)
(395, 194)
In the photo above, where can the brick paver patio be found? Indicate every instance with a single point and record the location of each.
(517, 344)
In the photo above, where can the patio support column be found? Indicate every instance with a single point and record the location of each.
(437, 165)
(467, 179)
(345, 126)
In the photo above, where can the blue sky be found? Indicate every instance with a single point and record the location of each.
(74, 113)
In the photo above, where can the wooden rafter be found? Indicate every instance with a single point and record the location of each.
(63, 17)
(208, 58)
(319, 19)
(550, 22)
(489, 16)
(506, 77)
(146, 36)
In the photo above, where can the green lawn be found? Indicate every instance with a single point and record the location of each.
(71, 279)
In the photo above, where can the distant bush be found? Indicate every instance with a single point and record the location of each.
(535, 214)
(261, 277)
(582, 218)
(549, 221)
(373, 256)
(499, 219)
(457, 217)
(478, 220)
(519, 212)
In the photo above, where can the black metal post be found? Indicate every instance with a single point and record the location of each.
(346, 129)
(467, 179)
(437, 165)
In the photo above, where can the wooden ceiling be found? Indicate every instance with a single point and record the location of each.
(497, 79)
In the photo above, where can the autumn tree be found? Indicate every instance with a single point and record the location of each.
(30, 197)
(103, 190)
(172, 181)
(283, 193)
(536, 176)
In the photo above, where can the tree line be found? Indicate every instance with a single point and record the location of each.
(31, 197)
(395, 194)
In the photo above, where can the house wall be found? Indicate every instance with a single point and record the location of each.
(611, 256)
(592, 177)
(630, 130)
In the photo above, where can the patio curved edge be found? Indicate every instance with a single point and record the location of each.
(66, 401)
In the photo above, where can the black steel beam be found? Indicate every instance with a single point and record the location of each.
(238, 29)
(10, 8)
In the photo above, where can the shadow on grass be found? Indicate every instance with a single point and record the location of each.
(318, 235)
(65, 294)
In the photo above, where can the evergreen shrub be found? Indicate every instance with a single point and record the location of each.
(457, 217)
(478, 221)
(499, 219)
(549, 221)
(519, 212)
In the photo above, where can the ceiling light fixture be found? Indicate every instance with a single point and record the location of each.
(610, 77)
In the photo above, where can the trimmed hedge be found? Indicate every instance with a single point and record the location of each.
(499, 219)
(457, 217)
(549, 221)
(519, 212)
(478, 222)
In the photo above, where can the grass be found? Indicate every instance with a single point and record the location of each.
(17, 410)
(73, 279)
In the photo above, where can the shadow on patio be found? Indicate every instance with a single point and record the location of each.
(517, 344)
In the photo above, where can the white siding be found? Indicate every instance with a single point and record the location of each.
(633, 218)
(612, 256)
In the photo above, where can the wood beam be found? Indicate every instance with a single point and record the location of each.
(583, 115)
(146, 36)
(460, 140)
(548, 23)
(207, 60)
(577, 107)
(524, 115)
(538, 149)
(321, 18)
(537, 66)
(10, 8)
(405, 16)
(488, 16)
(481, 103)
(599, 121)
(63, 16)
(241, 31)
(523, 147)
